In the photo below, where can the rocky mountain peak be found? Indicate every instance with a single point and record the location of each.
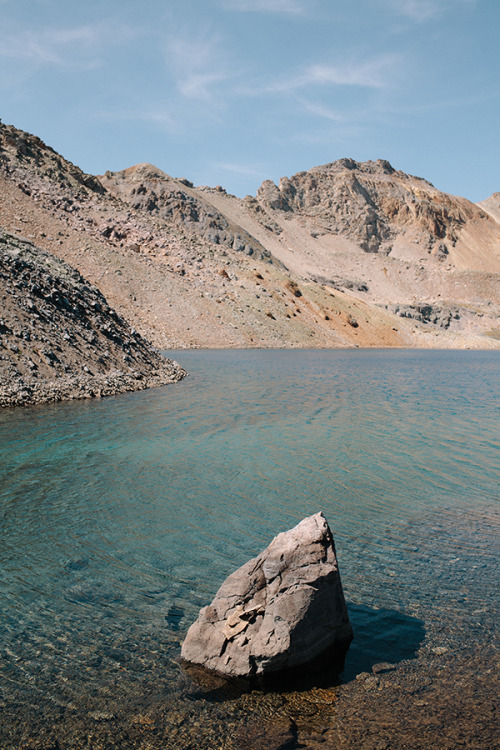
(148, 189)
(25, 154)
(370, 203)
(367, 167)
(139, 172)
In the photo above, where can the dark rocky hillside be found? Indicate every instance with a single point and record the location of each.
(60, 339)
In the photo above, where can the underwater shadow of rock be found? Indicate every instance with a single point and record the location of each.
(380, 636)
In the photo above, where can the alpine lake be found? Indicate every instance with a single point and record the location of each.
(120, 518)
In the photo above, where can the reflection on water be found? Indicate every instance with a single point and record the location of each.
(120, 518)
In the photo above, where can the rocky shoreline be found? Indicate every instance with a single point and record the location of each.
(59, 338)
(28, 393)
(443, 700)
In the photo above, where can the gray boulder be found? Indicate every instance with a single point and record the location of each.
(279, 611)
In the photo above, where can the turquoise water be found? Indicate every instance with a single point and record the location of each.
(121, 517)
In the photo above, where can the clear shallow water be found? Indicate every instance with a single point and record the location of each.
(120, 518)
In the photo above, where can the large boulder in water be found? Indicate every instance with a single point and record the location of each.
(279, 611)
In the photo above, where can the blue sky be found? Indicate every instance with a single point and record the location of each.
(233, 92)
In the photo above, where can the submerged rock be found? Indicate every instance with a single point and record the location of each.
(279, 611)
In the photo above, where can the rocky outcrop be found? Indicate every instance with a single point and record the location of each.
(280, 611)
(337, 282)
(146, 188)
(492, 206)
(371, 203)
(436, 315)
(21, 152)
(60, 339)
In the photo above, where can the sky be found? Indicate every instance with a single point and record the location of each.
(233, 92)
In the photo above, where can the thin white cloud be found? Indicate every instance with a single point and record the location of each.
(160, 117)
(290, 7)
(372, 74)
(377, 73)
(71, 47)
(425, 10)
(48, 46)
(418, 10)
(320, 110)
(197, 65)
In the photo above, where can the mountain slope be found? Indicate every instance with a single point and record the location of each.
(346, 216)
(60, 339)
(347, 254)
(492, 206)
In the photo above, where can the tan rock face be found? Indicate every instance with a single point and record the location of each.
(370, 203)
(279, 611)
(492, 206)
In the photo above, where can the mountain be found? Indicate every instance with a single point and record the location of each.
(347, 254)
(492, 206)
(59, 338)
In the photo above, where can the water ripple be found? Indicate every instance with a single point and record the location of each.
(120, 518)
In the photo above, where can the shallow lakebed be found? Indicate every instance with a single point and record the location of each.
(121, 517)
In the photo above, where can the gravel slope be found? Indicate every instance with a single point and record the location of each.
(59, 338)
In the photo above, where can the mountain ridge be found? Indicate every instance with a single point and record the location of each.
(294, 266)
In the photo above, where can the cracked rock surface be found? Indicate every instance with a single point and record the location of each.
(279, 611)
